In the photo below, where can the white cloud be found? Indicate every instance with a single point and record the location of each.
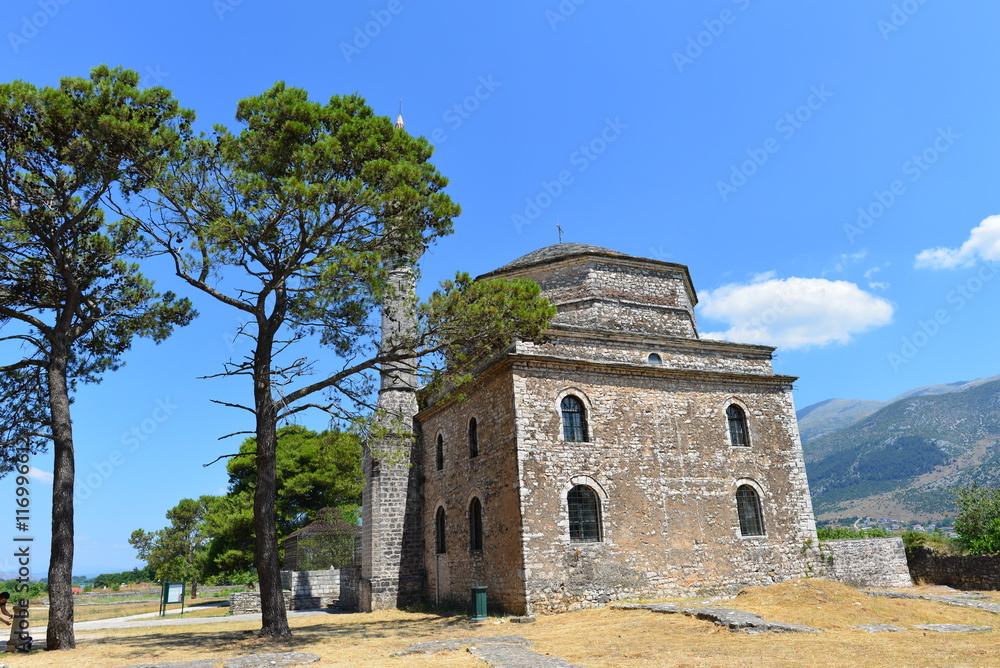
(878, 285)
(38, 475)
(983, 244)
(794, 312)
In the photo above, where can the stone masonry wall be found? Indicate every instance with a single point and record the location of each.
(350, 588)
(659, 456)
(680, 354)
(490, 477)
(867, 562)
(248, 602)
(322, 588)
(391, 536)
(613, 295)
(959, 571)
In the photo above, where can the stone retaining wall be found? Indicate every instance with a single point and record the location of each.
(248, 602)
(312, 589)
(958, 571)
(867, 562)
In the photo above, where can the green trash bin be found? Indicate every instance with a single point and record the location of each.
(479, 604)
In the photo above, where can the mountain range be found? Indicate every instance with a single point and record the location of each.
(901, 458)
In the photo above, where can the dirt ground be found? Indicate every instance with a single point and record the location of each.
(593, 638)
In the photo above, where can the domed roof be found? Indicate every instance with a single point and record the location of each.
(556, 252)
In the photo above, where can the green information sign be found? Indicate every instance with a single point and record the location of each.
(173, 592)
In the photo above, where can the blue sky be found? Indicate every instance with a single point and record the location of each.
(827, 170)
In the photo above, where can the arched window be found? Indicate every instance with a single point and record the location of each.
(440, 453)
(748, 508)
(574, 417)
(654, 359)
(475, 525)
(584, 515)
(439, 526)
(473, 438)
(738, 432)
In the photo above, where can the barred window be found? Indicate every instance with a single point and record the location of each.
(574, 417)
(440, 452)
(475, 525)
(439, 525)
(473, 438)
(738, 432)
(584, 515)
(748, 508)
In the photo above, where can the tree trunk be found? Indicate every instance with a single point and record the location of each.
(59, 634)
(274, 620)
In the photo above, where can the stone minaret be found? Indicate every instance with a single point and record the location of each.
(391, 539)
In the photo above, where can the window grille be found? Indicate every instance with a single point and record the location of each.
(748, 508)
(584, 515)
(574, 420)
(738, 432)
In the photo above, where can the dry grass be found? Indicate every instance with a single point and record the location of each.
(39, 614)
(593, 638)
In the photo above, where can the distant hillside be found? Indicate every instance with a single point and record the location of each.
(903, 459)
(945, 388)
(832, 415)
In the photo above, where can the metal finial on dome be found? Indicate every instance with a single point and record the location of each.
(399, 119)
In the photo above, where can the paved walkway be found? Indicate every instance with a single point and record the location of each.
(154, 619)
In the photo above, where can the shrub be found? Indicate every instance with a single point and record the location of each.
(836, 533)
(978, 521)
(935, 541)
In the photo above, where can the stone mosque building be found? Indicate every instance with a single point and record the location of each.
(624, 457)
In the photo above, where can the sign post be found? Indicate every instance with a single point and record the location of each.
(173, 592)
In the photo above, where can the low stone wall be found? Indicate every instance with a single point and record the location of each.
(958, 571)
(312, 589)
(867, 562)
(248, 602)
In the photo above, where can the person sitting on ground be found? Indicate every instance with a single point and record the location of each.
(4, 597)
